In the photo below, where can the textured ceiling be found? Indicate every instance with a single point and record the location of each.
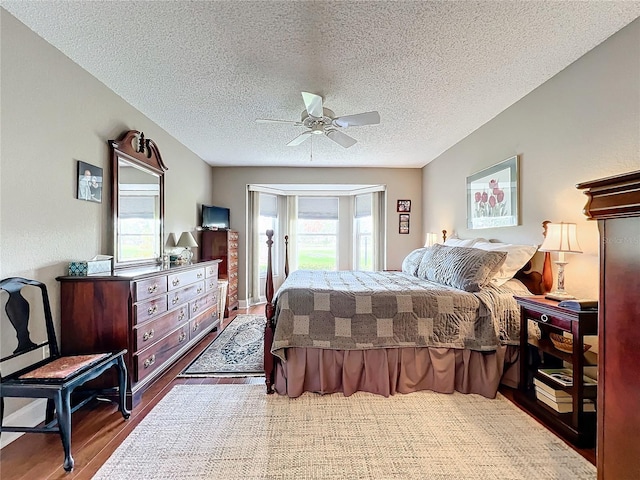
(435, 70)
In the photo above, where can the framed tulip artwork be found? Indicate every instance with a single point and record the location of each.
(492, 196)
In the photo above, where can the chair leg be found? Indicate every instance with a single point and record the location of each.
(122, 383)
(63, 408)
(49, 412)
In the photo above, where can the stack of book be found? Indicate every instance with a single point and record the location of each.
(557, 399)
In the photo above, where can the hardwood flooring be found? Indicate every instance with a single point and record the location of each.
(98, 428)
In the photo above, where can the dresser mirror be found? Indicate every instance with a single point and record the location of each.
(137, 201)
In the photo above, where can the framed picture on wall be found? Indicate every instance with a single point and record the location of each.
(404, 206)
(492, 196)
(89, 182)
(404, 223)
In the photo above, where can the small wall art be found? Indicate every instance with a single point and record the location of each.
(89, 182)
(404, 223)
(492, 196)
(404, 206)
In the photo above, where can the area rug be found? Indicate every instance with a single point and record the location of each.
(238, 351)
(239, 432)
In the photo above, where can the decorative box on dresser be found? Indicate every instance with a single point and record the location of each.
(615, 203)
(156, 313)
(223, 245)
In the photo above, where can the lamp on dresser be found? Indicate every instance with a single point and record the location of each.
(562, 238)
(186, 241)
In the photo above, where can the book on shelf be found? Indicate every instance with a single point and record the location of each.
(564, 407)
(559, 396)
(564, 376)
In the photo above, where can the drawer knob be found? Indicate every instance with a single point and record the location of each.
(196, 326)
(149, 361)
(182, 336)
(544, 317)
(175, 300)
(199, 275)
(199, 289)
(152, 310)
(195, 307)
(176, 282)
(181, 316)
(147, 335)
(153, 288)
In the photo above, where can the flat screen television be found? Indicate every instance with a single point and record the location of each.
(215, 218)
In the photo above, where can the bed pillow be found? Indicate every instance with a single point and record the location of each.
(467, 269)
(462, 242)
(411, 262)
(517, 257)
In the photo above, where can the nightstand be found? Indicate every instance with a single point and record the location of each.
(552, 385)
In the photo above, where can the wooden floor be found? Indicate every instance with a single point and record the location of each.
(98, 428)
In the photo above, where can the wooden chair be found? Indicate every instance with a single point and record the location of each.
(55, 377)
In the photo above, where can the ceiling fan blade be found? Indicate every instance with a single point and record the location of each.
(340, 138)
(313, 103)
(269, 120)
(358, 120)
(299, 139)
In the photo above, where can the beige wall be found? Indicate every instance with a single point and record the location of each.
(53, 114)
(582, 124)
(230, 187)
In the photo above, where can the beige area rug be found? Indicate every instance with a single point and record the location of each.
(239, 432)
(238, 351)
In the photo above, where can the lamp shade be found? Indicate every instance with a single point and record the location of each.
(171, 241)
(432, 239)
(561, 237)
(186, 240)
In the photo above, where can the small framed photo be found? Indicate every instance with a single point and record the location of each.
(89, 182)
(404, 206)
(404, 223)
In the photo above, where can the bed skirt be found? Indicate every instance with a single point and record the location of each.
(396, 370)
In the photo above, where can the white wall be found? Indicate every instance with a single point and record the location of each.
(230, 185)
(581, 125)
(53, 113)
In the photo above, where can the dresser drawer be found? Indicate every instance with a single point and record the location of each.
(203, 322)
(233, 237)
(150, 309)
(179, 280)
(211, 284)
(150, 332)
(233, 277)
(233, 299)
(211, 271)
(149, 287)
(152, 358)
(177, 297)
(201, 304)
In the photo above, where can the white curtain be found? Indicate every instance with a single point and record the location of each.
(254, 237)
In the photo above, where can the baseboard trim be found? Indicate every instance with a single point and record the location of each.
(28, 416)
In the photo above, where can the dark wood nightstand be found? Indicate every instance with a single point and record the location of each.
(567, 407)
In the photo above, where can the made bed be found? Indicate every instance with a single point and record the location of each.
(446, 322)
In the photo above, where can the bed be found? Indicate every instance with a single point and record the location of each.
(447, 322)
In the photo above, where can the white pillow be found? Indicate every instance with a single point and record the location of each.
(517, 257)
(462, 242)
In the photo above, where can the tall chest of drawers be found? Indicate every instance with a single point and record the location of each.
(158, 315)
(223, 245)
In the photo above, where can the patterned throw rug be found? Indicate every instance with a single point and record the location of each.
(239, 432)
(238, 351)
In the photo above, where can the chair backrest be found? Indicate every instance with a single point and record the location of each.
(18, 312)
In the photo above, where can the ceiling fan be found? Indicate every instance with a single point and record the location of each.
(322, 121)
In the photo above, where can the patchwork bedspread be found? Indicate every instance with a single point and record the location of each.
(350, 310)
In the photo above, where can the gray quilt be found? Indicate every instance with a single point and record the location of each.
(349, 310)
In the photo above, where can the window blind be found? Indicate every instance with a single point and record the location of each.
(324, 208)
(363, 205)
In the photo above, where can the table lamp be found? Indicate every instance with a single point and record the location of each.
(186, 241)
(562, 238)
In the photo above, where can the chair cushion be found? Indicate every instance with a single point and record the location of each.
(63, 367)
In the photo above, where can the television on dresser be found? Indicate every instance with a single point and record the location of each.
(215, 218)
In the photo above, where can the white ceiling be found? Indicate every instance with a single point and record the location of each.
(435, 70)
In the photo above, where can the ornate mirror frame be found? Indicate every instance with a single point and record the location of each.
(134, 150)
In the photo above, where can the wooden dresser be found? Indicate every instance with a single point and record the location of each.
(156, 314)
(615, 203)
(223, 245)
